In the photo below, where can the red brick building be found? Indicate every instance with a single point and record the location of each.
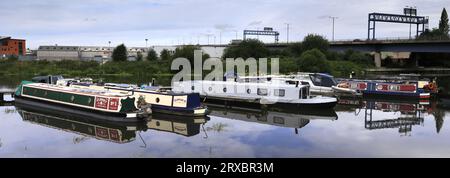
(9, 46)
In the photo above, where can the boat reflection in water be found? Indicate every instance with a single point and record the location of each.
(411, 113)
(186, 126)
(276, 117)
(100, 129)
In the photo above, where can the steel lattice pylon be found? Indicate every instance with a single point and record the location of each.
(260, 32)
(395, 18)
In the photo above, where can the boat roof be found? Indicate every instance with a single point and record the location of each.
(262, 84)
(76, 90)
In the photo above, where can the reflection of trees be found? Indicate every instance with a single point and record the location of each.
(439, 118)
(218, 127)
(1, 143)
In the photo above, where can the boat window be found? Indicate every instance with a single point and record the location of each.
(210, 88)
(262, 92)
(279, 92)
(304, 92)
(157, 100)
(224, 90)
(305, 83)
(193, 88)
(261, 118)
(290, 82)
(328, 82)
(278, 120)
(249, 91)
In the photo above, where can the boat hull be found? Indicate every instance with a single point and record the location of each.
(256, 103)
(396, 95)
(198, 112)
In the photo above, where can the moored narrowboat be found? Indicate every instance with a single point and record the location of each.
(275, 92)
(161, 100)
(110, 103)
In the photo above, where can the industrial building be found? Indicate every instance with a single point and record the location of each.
(86, 53)
(12, 47)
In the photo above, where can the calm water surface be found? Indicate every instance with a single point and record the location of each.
(355, 128)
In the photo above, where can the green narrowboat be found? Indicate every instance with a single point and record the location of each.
(86, 99)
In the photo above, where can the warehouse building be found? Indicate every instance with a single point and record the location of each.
(86, 53)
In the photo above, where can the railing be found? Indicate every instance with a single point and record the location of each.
(393, 39)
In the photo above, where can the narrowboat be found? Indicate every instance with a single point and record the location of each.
(415, 90)
(286, 91)
(103, 102)
(319, 83)
(160, 99)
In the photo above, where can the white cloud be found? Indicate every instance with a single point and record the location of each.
(96, 21)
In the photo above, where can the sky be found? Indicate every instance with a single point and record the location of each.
(172, 22)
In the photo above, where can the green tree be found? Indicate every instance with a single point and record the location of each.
(361, 59)
(139, 56)
(151, 55)
(344, 68)
(165, 55)
(120, 53)
(443, 23)
(295, 49)
(315, 42)
(246, 49)
(313, 61)
(288, 65)
(434, 34)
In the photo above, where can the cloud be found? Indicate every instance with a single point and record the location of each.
(255, 23)
(223, 27)
(92, 22)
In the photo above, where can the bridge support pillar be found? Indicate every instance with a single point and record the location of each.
(377, 59)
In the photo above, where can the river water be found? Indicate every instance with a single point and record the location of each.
(355, 128)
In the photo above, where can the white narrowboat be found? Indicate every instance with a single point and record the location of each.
(286, 91)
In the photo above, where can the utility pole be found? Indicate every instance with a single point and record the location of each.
(287, 36)
(333, 19)
(411, 11)
(208, 35)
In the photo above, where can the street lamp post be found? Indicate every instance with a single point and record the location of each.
(333, 19)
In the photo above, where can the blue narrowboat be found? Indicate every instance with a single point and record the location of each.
(405, 90)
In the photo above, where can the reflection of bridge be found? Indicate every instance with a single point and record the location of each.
(392, 123)
(404, 123)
